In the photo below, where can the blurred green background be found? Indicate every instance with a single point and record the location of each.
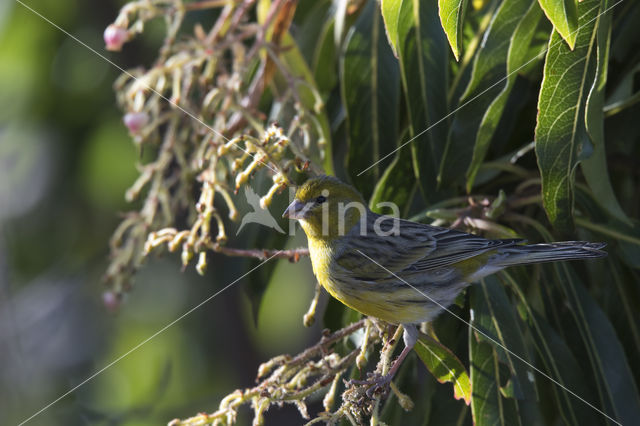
(65, 162)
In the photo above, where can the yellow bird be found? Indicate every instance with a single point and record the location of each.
(399, 271)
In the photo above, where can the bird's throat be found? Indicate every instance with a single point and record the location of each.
(328, 227)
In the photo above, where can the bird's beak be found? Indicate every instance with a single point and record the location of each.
(296, 210)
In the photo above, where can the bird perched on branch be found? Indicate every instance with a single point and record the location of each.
(399, 271)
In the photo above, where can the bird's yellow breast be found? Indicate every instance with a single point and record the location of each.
(364, 297)
(321, 254)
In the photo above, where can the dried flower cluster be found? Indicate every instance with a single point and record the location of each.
(318, 369)
(197, 110)
(203, 111)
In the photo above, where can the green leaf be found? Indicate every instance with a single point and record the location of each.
(563, 14)
(310, 98)
(595, 168)
(452, 16)
(617, 389)
(309, 29)
(390, 13)
(424, 67)
(486, 401)
(341, 20)
(370, 91)
(444, 366)
(559, 363)
(315, 40)
(560, 131)
(493, 314)
(325, 59)
(603, 224)
(628, 237)
(519, 53)
(623, 306)
(396, 185)
(505, 49)
(626, 30)
(423, 390)
(338, 315)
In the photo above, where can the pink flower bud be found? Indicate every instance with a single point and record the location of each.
(115, 37)
(135, 121)
(111, 301)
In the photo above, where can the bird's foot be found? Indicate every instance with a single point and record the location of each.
(375, 384)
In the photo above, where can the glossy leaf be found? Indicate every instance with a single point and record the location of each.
(505, 49)
(563, 14)
(307, 91)
(310, 97)
(559, 362)
(424, 66)
(310, 29)
(325, 59)
(494, 315)
(595, 168)
(370, 91)
(390, 13)
(617, 390)
(452, 16)
(444, 366)
(626, 29)
(518, 55)
(341, 20)
(486, 405)
(396, 185)
(560, 131)
(602, 224)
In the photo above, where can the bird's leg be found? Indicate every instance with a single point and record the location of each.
(410, 337)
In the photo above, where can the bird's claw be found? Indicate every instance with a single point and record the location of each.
(375, 383)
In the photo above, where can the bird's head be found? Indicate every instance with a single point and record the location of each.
(326, 207)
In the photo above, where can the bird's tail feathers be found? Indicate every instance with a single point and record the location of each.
(551, 252)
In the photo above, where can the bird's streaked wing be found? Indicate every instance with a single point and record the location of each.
(418, 248)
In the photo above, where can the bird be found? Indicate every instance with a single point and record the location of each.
(399, 271)
(258, 215)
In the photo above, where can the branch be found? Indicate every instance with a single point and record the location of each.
(205, 4)
(292, 255)
(290, 380)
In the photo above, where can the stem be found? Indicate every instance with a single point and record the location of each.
(219, 25)
(531, 222)
(506, 167)
(606, 231)
(323, 381)
(265, 27)
(616, 107)
(322, 344)
(262, 254)
(285, 392)
(205, 4)
(523, 201)
(385, 365)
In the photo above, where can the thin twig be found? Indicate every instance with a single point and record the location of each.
(293, 255)
(205, 4)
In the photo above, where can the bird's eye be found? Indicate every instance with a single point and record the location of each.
(321, 199)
